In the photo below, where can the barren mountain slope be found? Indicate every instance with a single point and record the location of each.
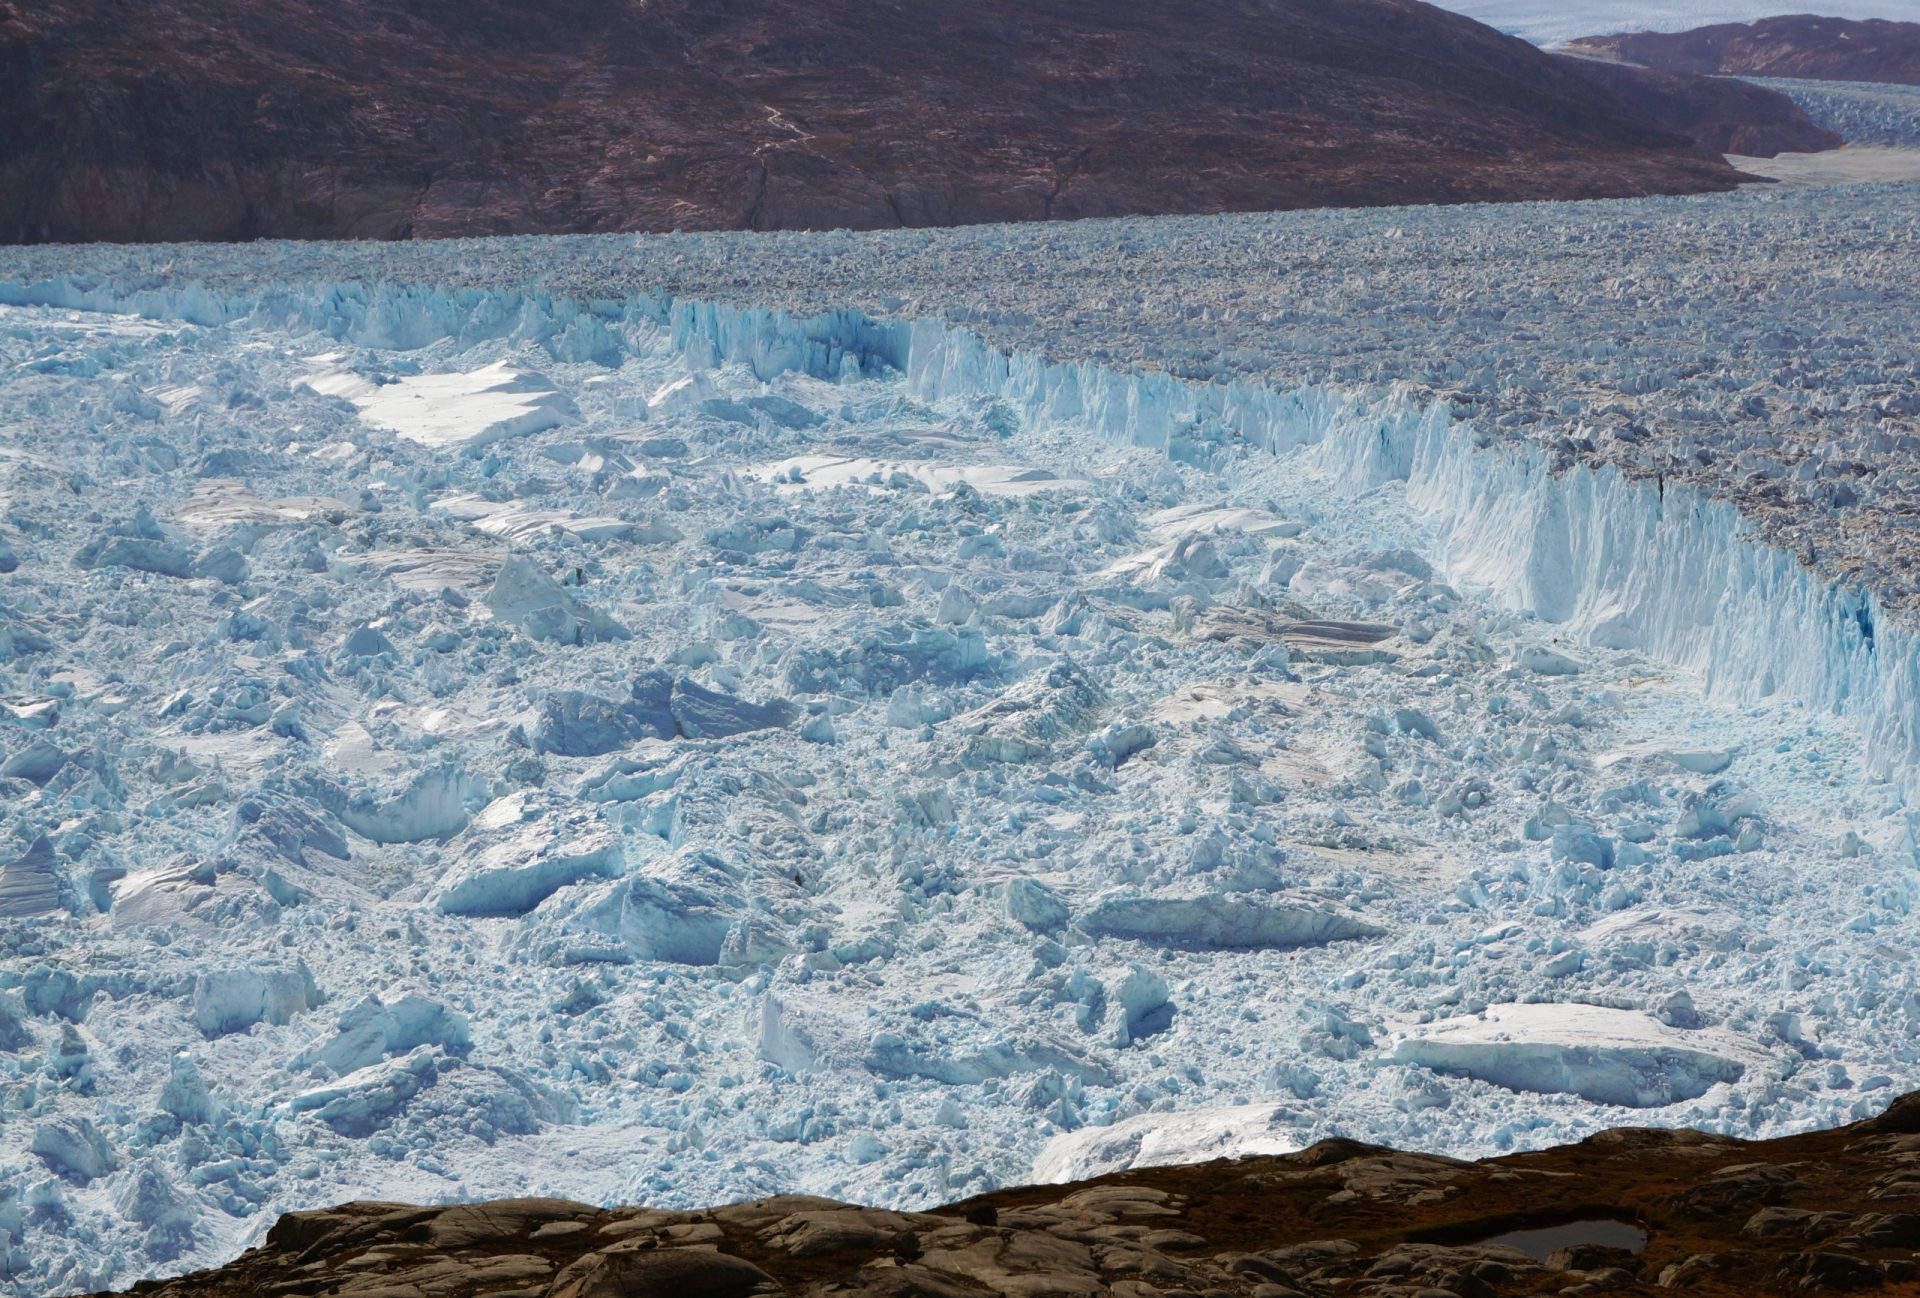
(153, 119)
(1721, 113)
(1799, 45)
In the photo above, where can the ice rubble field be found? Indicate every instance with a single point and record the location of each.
(1862, 113)
(460, 742)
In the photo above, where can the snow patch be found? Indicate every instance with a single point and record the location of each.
(451, 412)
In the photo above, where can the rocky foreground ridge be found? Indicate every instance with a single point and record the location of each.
(1796, 45)
(1632, 1210)
(142, 120)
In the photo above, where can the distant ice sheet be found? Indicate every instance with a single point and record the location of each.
(1546, 22)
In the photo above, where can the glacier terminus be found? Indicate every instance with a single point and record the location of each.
(680, 718)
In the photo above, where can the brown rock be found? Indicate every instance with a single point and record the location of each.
(818, 1232)
(1829, 1271)
(1902, 1117)
(759, 1214)
(1881, 1230)
(663, 1273)
(1257, 1265)
(1592, 1257)
(502, 1219)
(1793, 1223)
(912, 1282)
(360, 1221)
(558, 1230)
(1738, 1188)
(1691, 1270)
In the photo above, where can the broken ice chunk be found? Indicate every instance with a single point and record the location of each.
(1162, 1139)
(702, 713)
(1034, 905)
(576, 724)
(523, 848)
(1580, 844)
(1548, 662)
(1024, 723)
(1119, 741)
(378, 1027)
(73, 1148)
(30, 884)
(543, 609)
(148, 1198)
(1609, 1056)
(367, 1098)
(223, 564)
(185, 1095)
(676, 921)
(1219, 920)
(366, 642)
(234, 999)
(141, 553)
(38, 762)
(432, 805)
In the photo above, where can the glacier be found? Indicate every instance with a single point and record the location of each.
(831, 750)
(1860, 112)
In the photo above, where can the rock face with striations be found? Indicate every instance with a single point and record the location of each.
(1799, 45)
(1630, 1211)
(233, 119)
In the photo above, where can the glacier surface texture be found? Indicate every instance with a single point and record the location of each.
(677, 719)
(1872, 113)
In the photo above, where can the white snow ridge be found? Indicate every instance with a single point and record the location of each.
(462, 742)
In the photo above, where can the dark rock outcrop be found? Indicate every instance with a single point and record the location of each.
(1719, 113)
(234, 119)
(1620, 1213)
(1799, 45)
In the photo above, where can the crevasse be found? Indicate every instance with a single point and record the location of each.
(1622, 562)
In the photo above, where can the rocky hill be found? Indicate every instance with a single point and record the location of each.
(1722, 114)
(1629, 1211)
(234, 119)
(1800, 45)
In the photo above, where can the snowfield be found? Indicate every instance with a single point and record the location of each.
(467, 733)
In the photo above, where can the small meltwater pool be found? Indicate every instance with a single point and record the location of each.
(1596, 1232)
